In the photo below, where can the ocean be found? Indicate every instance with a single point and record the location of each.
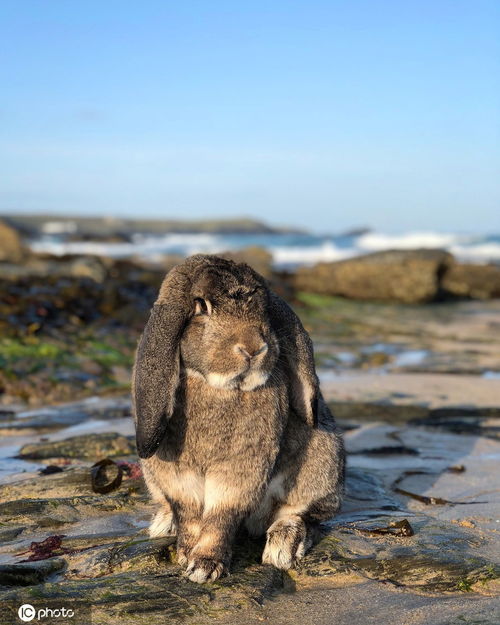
(288, 250)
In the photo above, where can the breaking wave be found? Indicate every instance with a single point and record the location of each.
(287, 250)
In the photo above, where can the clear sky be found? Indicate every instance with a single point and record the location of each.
(322, 114)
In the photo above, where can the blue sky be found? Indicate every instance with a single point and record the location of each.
(321, 114)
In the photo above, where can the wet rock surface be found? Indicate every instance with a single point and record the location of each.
(58, 417)
(29, 573)
(96, 545)
(85, 446)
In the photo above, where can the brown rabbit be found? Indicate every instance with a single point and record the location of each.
(231, 425)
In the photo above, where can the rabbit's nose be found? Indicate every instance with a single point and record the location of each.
(249, 352)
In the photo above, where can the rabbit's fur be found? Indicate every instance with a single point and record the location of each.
(231, 425)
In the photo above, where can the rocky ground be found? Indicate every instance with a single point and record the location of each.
(418, 533)
(415, 387)
(417, 541)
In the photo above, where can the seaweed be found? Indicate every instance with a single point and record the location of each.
(106, 476)
(44, 549)
(386, 450)
(49, 469)
(131, 469)
(401, 528)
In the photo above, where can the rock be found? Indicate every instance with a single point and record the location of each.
(78, 267)
(121, 375)
(457, 419)
(156, 592)
(131, 579)
(92, 367)
(58, 511)
(45, 512)
(438, 558)
(29, 573)
(11, 247)
(257, 257)
(72, 413)
(142, 555)
(366, 411)
(449, 552)
(42, 422)
(366, 496)
(94, 446)
(474, 281)
(85, 267)
(406, 276)
(72, 481)
(10, 533)
(484, 423)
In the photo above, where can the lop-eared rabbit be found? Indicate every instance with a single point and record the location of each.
(231, 424)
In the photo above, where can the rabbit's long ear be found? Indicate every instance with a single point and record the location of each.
(157, 364)
(298, 355)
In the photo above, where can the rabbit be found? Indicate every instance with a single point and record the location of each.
(231, 426)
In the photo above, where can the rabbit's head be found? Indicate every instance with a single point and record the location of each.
(228, 339)
(219, 321)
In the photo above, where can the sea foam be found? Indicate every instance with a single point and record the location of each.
(287, 251)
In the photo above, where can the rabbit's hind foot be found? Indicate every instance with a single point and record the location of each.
(287, 542)
(163, 524)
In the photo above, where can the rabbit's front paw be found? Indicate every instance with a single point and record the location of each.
(202, 570)
(287, 542)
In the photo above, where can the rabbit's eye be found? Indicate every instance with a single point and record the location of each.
(202, 306)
